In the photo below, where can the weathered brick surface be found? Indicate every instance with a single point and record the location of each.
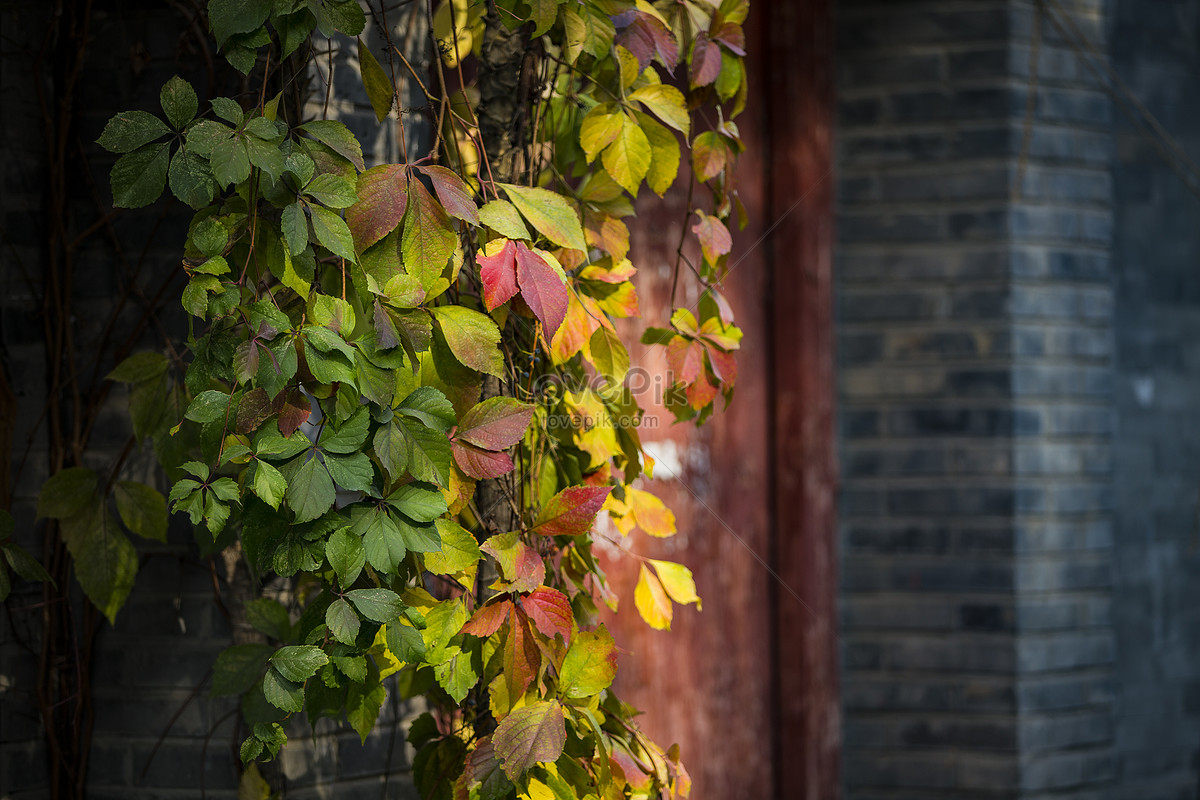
(976, 387)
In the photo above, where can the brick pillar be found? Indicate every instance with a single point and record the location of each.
(975, 358)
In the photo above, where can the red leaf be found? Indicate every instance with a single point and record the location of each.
(709, 155)
(701, 393)
(480, 464)
(646, 36)
(296, 411)
(542, 289)
(550, 611)
(519, 563)
(714, 237)
(386, 335)
(487, 619)
(256, 407)
(382, 198)
(495, 424)
(733, 37)
(499, 275)
(521, 655)
(685, 359)
(453, 192)
(724, 365)
(572, 511)
(706, 62)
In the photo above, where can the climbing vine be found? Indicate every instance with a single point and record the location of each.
(405, 390)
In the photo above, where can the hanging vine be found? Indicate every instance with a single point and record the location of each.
(406, 391)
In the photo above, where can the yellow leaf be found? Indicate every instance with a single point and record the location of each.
(627, 63)
(650, 513)
(628, 158)
(664, 148)
(651, 601)
(385, 659)
(599, 128)
(677, 581)
(537, 791)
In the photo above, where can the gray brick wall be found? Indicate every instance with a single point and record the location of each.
(148, 665)
(975, 385)
(1156, 49)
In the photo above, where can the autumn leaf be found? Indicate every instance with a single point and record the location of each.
(550, 214)
(495, 424)
(572, 511)
(652, 601)
(498, 272)
(532, 734)
(713, 235)
(487, 619)
(550, 611)
(382, 199)
(590, 665)
(541, 288)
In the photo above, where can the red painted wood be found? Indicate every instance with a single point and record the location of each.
(793, 68)
(748, 685)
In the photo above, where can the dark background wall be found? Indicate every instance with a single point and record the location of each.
(1156, 261)
(157, 732)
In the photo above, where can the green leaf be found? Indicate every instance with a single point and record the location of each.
(139, 367)
(428, 240)
(204, 135)
(105, 560)
(191, 179)
(627, 159)
(473, 338)
(352, 472)
(590, 665)
(238, 668)
(269, 616)
(406, 444)
(66, 493)
(207, 406)
(228, 17)
(282, 693)
(442, 624)
(142, 509)
(346, 555)
(503, 217)
(459, 549)
(230, 161)
(380, 90)
(332, 232)
(23, 563)
(382, 542)
(363, 705)
(179, 103)
(457, 673)
(534, 733)
(543, 14)
(550, 214)
(295, 228)
(138, 178)
(265, 155)
(129, 130)
(343, 623)
(347, 437)
(269, 484)
(310, 493)
(419, 502)
(430, 406)
(299, 662)
(379, 605)
(345, 16)
(608, 355)
(600, 128)
(338, 138)
(405, 642)
(332, 190)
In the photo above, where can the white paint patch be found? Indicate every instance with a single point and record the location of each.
(666, 454)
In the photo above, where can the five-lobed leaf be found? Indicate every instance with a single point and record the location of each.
(532, 734)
